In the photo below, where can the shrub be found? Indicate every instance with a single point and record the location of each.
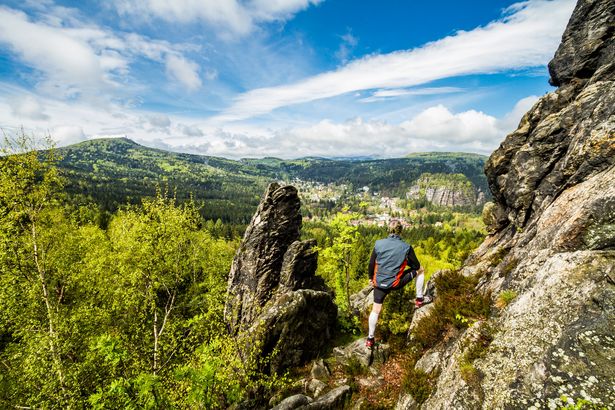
(419, 384)
(457, 298)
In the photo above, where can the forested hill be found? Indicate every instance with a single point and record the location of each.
(118, 171)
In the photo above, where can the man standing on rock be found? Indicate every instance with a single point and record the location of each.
(393, 265)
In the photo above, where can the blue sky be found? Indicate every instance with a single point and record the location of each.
(286, 78)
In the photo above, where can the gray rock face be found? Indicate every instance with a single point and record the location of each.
(255, 271)
(448, 196)
(273, 296)
(586, 44)
(568, 135)
(552, 243)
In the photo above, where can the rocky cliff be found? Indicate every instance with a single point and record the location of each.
(449, 190)
(274, 300)
(550, 259)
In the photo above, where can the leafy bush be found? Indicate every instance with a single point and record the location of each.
(457, 298)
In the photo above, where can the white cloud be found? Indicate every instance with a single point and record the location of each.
(183, 71)
(511, 120)
(65, 60)
(526, 36)
(439, 124)
(232, 16)
(435, 128)
(67, 134)
(160, 121)
(77, 59)
(191, 131)
(28, 107)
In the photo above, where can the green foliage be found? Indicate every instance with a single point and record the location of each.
(118, 302)
(578, 404)
(335, 262)
(457, 306)
(106, 316)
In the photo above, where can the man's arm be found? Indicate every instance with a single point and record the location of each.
(372, 266)
(413, 262)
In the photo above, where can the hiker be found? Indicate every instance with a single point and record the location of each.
(393, 264)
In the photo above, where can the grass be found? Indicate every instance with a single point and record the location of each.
(504, 298)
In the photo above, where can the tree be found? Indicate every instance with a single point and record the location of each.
(336, 260)
(32, 287)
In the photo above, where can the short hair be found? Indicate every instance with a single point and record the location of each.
(395, 227)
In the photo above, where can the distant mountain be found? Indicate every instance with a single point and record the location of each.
(117, 170)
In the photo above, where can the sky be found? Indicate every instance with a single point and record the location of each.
(282, 78)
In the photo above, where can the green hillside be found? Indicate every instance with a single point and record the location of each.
(118, 171)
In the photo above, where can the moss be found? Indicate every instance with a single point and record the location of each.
(509, 266)
(354, 367)
(418, 384)
(476, 348)
(470, 374)
(498, 256)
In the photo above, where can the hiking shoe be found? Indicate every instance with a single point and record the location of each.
(370, 342)
(425, 300)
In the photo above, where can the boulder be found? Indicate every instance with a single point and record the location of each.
(320, 370)
(293, 402)
(316, 387)
(359, 353)
(335, 399)
(362, 301)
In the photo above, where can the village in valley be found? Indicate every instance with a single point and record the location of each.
(375, 208)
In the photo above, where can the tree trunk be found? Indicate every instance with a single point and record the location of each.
(50, 319)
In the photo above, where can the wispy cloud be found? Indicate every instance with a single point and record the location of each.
(381, 95)
(526, 36)
(184, 71)
(347, 46)
(232, 17)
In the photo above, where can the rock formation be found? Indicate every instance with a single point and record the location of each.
(273, 295)
(552, 244)
(450, 190)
